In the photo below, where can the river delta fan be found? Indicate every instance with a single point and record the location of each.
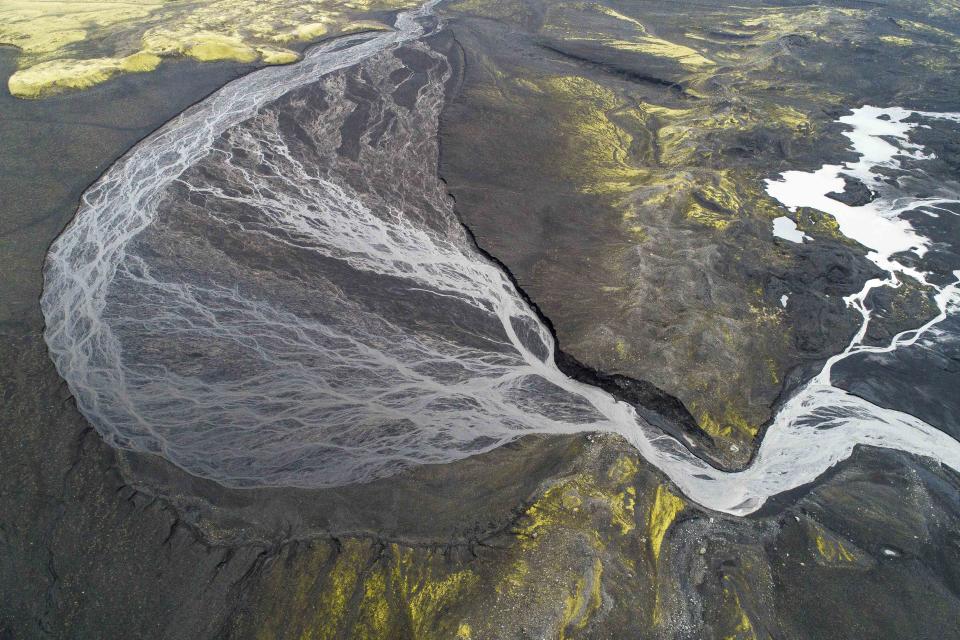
(269, 296)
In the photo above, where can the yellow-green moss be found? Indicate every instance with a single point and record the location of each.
(494, 9)
(140, 62)
(585, 600)
(211, 47)
(277, 56)
(56, 39)
(360, 591)
(831, 550)
(684, 136)
(897, 40)
(772, 369)
(423, 592)
(819, 224)
(338, 588)
(621, 510)
(624, 469)
(562, 502)
(742, 628)
(664, 510)
(631, 36)
(514, 577)
(729, 424)
(596, 151)
(623, 351)
(928, 31)
(56, 76)
(373, 611)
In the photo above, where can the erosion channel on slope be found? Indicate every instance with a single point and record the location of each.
(274, 290)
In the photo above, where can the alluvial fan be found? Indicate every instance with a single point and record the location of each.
(294, 302)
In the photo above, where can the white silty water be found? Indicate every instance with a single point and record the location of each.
(262, 320)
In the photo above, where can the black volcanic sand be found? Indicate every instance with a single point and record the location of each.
(571, 537)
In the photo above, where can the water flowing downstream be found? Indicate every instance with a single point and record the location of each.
(272, 290)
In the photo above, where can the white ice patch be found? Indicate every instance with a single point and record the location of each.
(784, 227)
(783, 300)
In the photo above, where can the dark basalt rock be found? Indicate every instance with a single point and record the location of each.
(854, 194)
(898, 309)
(595, 56)
(655, 405)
